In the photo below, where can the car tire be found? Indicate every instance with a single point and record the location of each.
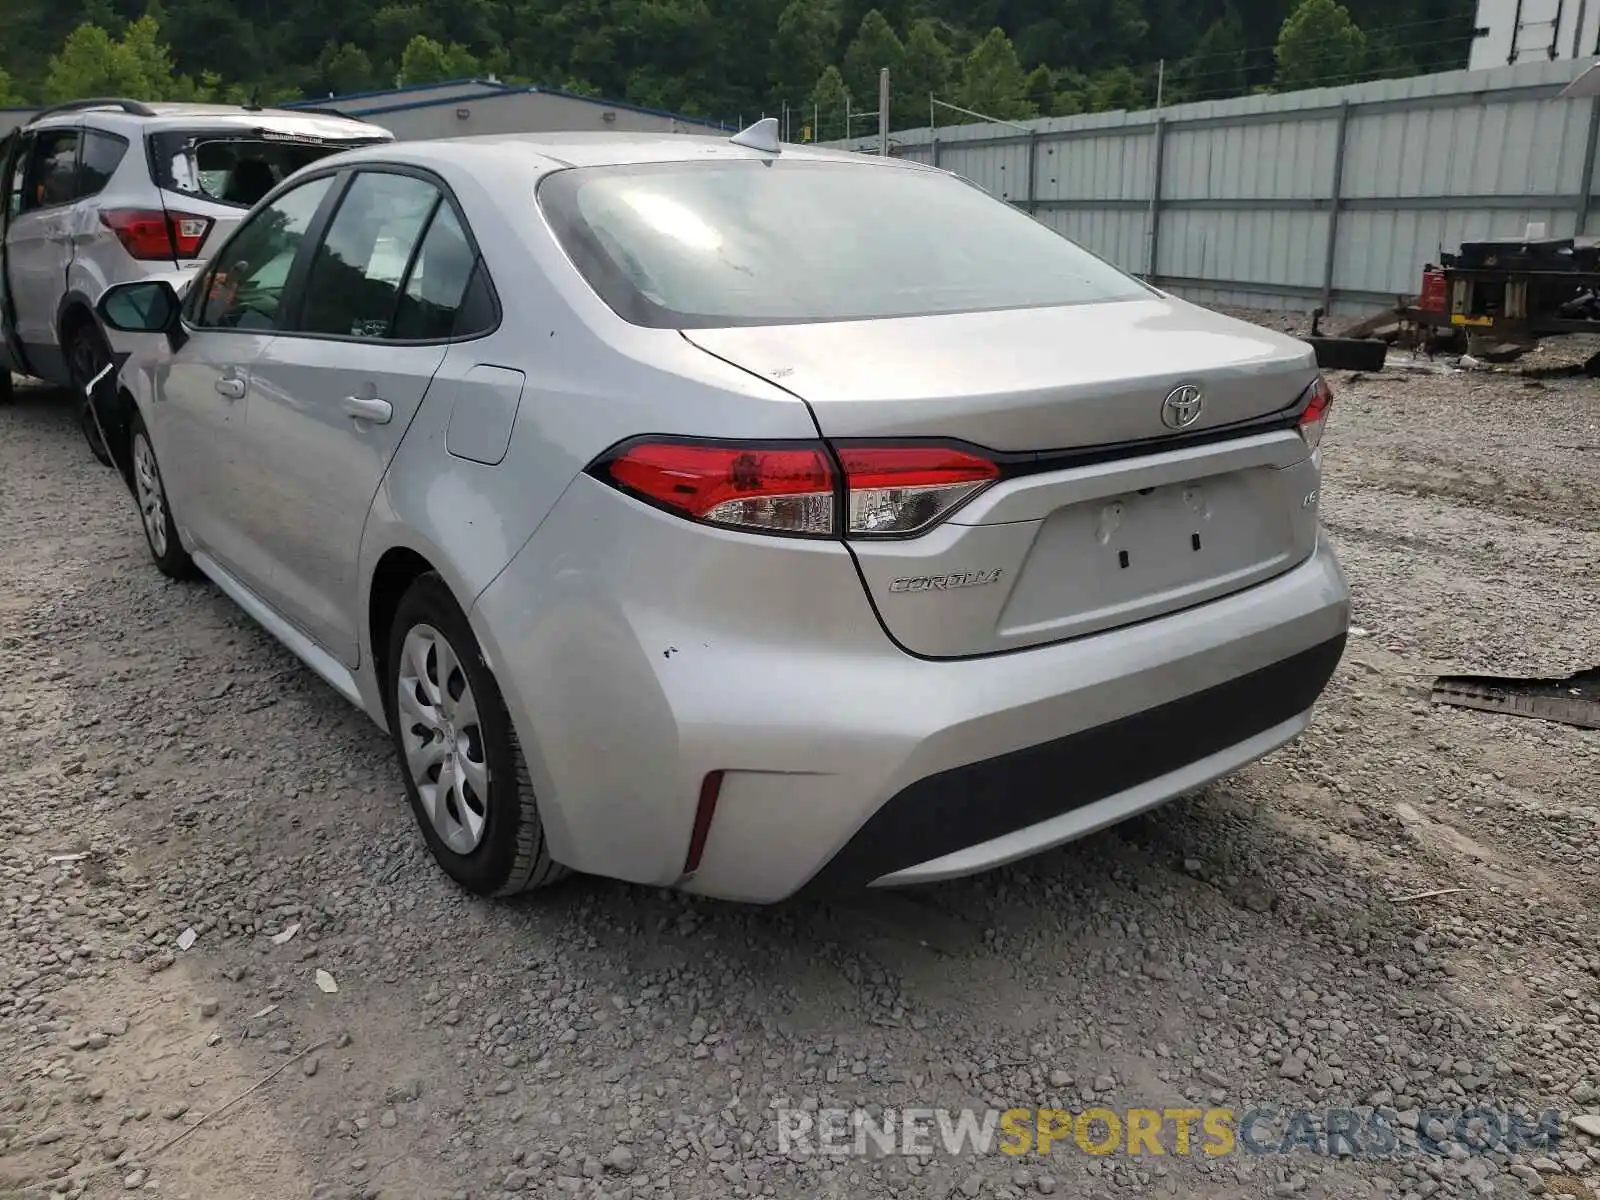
(458, 751)
(87, 355)
(7, 389)
(155, 512)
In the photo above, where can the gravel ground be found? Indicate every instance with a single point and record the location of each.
(1261, 943)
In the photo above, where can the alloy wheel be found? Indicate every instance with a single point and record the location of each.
(148, 491)
(442, 738)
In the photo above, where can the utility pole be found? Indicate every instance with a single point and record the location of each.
(883, 112)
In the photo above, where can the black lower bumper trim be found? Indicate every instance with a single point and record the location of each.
(980, 801)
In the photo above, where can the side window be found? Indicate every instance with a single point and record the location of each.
(52, 169)
(355, 277)
(447, 293)
(245, 286)
(102, 154)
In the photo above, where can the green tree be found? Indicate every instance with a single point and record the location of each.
(924, 71)
(428, 61)
(343, 69)
(802, 47)
(1116, 88)
(1040, 90)
(830, 101)
(727, 57)
(146, 54)
(9, 96)
(391, 30)
(1219, 66)
(211, 88)
(91, 63)
(992, 80)
(875, 46)
(104, 14)
(1319, 45)
(664, 50)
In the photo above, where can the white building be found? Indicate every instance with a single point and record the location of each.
(1524, 31)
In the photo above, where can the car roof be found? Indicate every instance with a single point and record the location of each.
(556, 150)
(161, 115)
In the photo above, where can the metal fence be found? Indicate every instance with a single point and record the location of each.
(1333, 196)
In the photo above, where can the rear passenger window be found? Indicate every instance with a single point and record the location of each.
(52, 170)
(446, 294)
(353, 288)
(102, 154)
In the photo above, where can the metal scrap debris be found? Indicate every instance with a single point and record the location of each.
(1574, 700)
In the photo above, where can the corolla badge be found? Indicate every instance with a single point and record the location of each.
(945, 583)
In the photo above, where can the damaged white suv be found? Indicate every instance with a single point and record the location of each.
(106, 191)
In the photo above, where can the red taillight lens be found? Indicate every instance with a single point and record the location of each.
(777, 490)
(905, 489)
(890, 491)
(1315, 417)
(152, 233)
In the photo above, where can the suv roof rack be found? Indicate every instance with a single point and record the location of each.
(136, 108)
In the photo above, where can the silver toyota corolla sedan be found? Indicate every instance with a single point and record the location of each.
(741, 518)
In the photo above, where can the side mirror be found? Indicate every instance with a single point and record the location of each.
(147, 306)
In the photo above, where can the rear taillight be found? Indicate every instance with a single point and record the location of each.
(153, 233)
(782, 489)
(1315, 417)
(905, 489)
(795, 487)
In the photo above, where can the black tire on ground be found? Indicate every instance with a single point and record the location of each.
(512, 855)
(5, 385)
(87, 355)
(171, 559)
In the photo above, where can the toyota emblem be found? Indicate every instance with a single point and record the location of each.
(1182, 406)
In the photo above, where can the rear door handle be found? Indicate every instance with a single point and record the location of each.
(232, 388)
(372, 408)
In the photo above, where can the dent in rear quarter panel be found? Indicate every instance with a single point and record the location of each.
(638, 652)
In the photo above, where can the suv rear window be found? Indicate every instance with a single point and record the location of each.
(230, 167)
(685, 245)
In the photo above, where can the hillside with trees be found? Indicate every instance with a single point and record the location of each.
(732, 59)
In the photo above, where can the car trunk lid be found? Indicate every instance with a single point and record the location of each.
(1024, 380)
(1106, 514)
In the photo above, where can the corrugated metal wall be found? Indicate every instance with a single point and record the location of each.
(1335, 195)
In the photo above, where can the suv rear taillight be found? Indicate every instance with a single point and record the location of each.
(1315, 417)
(800, 488)
(153, 233)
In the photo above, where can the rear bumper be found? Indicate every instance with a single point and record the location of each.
(986, 813)
(639, 653)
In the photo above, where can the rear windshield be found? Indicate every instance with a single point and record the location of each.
(698, 245)
(231, 167)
